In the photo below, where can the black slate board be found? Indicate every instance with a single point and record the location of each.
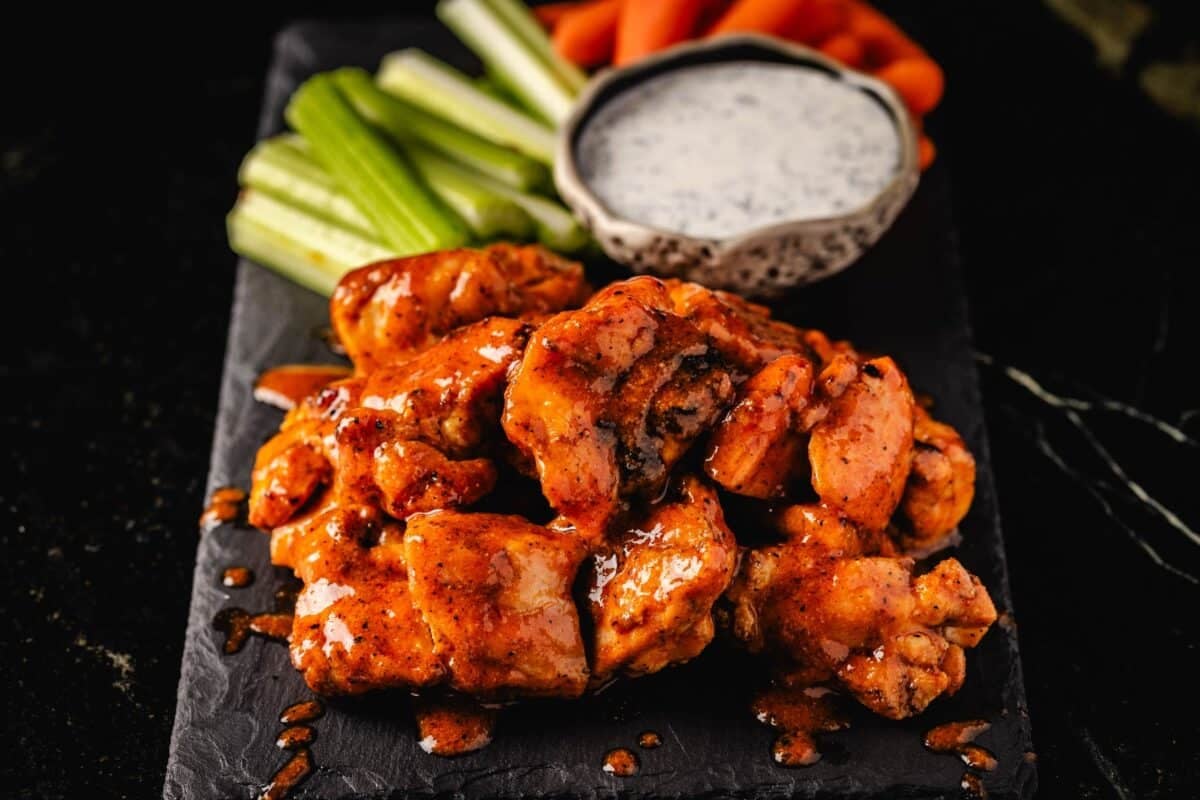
(904, 298)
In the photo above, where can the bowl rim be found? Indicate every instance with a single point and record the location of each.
(575, 190)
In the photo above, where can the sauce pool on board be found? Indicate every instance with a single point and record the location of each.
(718, 150)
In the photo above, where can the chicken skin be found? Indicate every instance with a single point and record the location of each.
(496, 592)
(297, 461)
(861, 451)
(744, 332)
(398, 436)
(941, 484)
(356, 628)
(758, 448)
(608, 398)
(653, 587)
(386, 311)
(829, 609)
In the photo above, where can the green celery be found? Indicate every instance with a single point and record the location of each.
(522, 71)
(406, 215)
(517, 17)
(303, 247)
(281, 168)
(556, 227)
(442, 90)
(404, 122)
(488, 213)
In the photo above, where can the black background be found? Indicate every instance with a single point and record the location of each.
(1077, 207)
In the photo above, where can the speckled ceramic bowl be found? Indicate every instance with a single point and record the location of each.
(763, 262)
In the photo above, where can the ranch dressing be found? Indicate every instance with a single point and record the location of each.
(717, 150)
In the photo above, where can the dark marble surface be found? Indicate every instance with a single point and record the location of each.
(1076, 205)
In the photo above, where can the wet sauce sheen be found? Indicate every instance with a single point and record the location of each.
(225, 506)
(716, 150)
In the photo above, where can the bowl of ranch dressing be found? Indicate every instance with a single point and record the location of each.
(742, 162)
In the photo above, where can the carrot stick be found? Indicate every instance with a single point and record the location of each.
(883, 39)
(586, 35)
(712, 11)
(926, 152)
(646, 27)
(918, 80)
(760, 16)
(845, 48)
(551, 13)
(818, 21)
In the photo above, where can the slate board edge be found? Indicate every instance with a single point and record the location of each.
(235, 397)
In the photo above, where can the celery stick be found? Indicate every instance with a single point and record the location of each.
(556, 227)
(517, 17)
(506, 54)
(406, 215)
(403, 122)
(281, 169)
(488, 213)
(439, 88)
(311, 251)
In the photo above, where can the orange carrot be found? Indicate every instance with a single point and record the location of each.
(918, 80)
(586, 35)
(551, 13)
(760, 16)
(883, 39)
(926, 152)
(646, 27)
(844, 48)
(712, 11)
(818, 20)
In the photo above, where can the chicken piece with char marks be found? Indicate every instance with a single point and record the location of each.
(389, 310)
(652, 588)
(608, 398)
(941, 484)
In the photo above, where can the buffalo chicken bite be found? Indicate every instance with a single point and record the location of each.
(624, 410)
(608, 398)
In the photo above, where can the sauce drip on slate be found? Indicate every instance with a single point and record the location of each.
(224, 506)
(304, 711)
(972, 786)
(289, 776)
(285, 386)
(621, 762)
(237, 577)
(295, 736)
(977, 757)
(452, 726)
(950, 737)
(799, 714)
(648, 740)
(237, 624)
(795, 750)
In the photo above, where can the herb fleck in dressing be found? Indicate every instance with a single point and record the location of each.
(718, 150)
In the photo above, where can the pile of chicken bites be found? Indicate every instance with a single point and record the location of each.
(637, 410)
